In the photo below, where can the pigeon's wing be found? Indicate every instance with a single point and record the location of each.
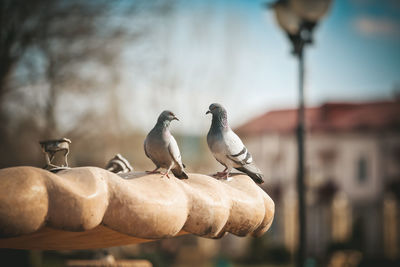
(218, 147)
(145, 150)
(239, 154)
(178, 170)
(174, 151)
(236, 151)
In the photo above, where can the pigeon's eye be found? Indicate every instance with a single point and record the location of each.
(171, 114)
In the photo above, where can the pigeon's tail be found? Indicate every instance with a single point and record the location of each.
(180, 173)
(252, 171)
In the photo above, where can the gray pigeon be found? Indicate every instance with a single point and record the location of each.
(227, 147)
(161, 147)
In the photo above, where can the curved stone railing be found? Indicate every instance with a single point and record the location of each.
(88, 207)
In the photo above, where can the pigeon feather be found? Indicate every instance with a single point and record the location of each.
(227, 147)
(161, 147)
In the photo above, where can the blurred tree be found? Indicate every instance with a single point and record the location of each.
(18, 26)
(48, 42)
(43, 42)
(56, 52)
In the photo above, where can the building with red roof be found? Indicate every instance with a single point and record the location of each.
(352, 173)
(337, 117)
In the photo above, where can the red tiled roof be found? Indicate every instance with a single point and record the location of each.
(374, 116)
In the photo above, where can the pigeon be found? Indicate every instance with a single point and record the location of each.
(161, 147)
(227, 147)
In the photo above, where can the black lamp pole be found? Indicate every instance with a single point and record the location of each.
(300, 166)
(300, 173)
(298, 41)
(298, 19)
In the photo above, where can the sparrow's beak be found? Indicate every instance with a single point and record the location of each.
(175, 118)
(208, 112)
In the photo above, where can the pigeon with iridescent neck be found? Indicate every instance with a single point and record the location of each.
(161, 147)
(227, 147)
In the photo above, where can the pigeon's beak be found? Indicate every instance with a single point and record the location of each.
(208, 112)
(175, 118)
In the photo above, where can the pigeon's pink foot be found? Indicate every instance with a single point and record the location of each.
(219, 174)
(165, 174)
(226, 177)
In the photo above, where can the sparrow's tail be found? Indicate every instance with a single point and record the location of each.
(253, 172)
(179, 173)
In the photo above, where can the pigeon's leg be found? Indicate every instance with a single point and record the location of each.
(153, 171)
(167, 172)
(221, 174)
(226, 177)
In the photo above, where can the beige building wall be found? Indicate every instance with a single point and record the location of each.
(276, 155)
(334, 156)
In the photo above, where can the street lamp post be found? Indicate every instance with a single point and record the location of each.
(298, 19)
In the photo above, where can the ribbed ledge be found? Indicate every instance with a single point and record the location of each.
(88, 207)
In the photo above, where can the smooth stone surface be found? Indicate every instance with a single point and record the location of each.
(89, 207)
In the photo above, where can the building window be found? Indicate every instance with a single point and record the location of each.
(362, 170)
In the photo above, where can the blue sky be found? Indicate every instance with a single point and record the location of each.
(233, 52)
(360, 42)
